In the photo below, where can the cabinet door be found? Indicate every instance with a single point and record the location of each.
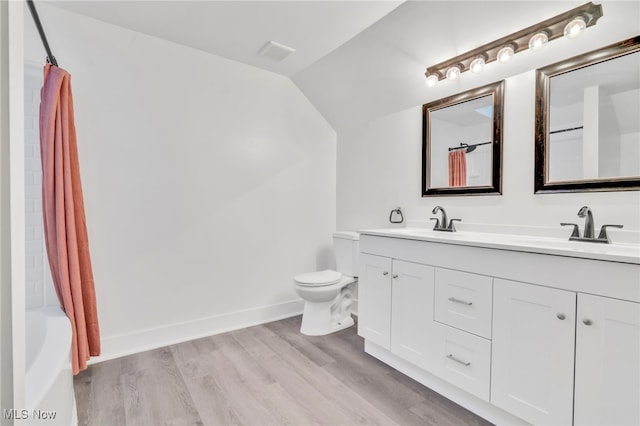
(533, 352)
(607, 362)
(374, 299)
(412, 311)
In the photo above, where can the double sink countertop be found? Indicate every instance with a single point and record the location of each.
(624, 246)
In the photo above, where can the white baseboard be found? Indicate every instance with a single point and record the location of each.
(144, 340)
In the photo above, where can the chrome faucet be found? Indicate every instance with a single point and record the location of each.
(441, 224)
(585, 212)
(589, 232)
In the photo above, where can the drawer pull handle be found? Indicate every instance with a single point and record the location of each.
(385, 273)
(462, 302)
(395, 276)
(587, 321)
(453, 358)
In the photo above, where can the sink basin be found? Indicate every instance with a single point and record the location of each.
(554, 243)
(421, 232)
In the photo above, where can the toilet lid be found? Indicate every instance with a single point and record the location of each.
(320, 278)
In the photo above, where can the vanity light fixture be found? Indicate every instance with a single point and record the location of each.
(432, 79)
(569, 24)
(454, 71)
(477, 65)
(506, 53)
(576, 26)
(539, 40)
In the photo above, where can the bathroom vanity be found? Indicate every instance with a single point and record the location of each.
(517, 329)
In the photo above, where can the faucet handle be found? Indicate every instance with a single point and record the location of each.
(452, 226)
(603, 232)
(437, 225)
(576, 232)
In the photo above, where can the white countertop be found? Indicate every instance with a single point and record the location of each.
(542, 240)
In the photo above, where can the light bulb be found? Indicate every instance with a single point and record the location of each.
(432, 79)
(539, 40)
(575, 27)
(506, 53)
(477, 65)
(454, 72)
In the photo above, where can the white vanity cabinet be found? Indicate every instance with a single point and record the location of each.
(533, 352)
(515, 336)
(396, 305)
(537, 336)
(412, 311)
(461, 345)
(607, 389)
(374, 299)
(463, 300)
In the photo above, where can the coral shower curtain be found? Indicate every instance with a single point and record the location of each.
(458, 168)
(64, 220)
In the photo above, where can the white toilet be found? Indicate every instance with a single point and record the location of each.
(327, 294)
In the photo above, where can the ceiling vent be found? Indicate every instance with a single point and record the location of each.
(275, 51)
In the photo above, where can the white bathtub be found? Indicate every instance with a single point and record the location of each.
(49, 395)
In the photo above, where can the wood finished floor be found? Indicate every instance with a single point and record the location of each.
(264, 375)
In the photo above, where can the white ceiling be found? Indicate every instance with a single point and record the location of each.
(237, 30)
(358, 60)
(381, 70)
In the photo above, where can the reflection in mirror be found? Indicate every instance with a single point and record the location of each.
(593, 121)
(587, 126)
(462, 143)
(456, 133)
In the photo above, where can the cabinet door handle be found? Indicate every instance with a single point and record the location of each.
(453, 358)
(586, 321)
(385, 273)
(462, 302)
(395, 276)
(561, 317)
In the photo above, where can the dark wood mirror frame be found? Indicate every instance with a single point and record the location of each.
(495, 188)
(543, 76)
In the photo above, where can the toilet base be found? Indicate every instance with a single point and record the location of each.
(317, 319)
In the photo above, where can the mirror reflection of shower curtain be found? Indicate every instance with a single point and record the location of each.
(458, 168)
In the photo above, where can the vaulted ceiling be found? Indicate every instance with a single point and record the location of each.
(360, 59)
(238, 30)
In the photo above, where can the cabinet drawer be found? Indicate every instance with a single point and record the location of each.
(462, 359)
(464, 301)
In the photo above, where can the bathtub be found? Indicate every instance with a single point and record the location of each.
(49, 395)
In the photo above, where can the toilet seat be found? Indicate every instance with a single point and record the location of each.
(318, 279)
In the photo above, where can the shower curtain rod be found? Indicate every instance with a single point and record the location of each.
(36, 19)
(570, 129)
(467, 146)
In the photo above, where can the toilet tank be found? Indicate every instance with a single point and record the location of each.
(346, 247)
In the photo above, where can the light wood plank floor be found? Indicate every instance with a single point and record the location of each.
(264, 375)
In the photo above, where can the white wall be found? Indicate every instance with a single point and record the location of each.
(379, 168)
(6, 361)
(379, 154)
(208, 184)
(12, 259)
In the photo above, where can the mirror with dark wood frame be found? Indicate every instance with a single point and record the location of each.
(587, 130)
(462, 143)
